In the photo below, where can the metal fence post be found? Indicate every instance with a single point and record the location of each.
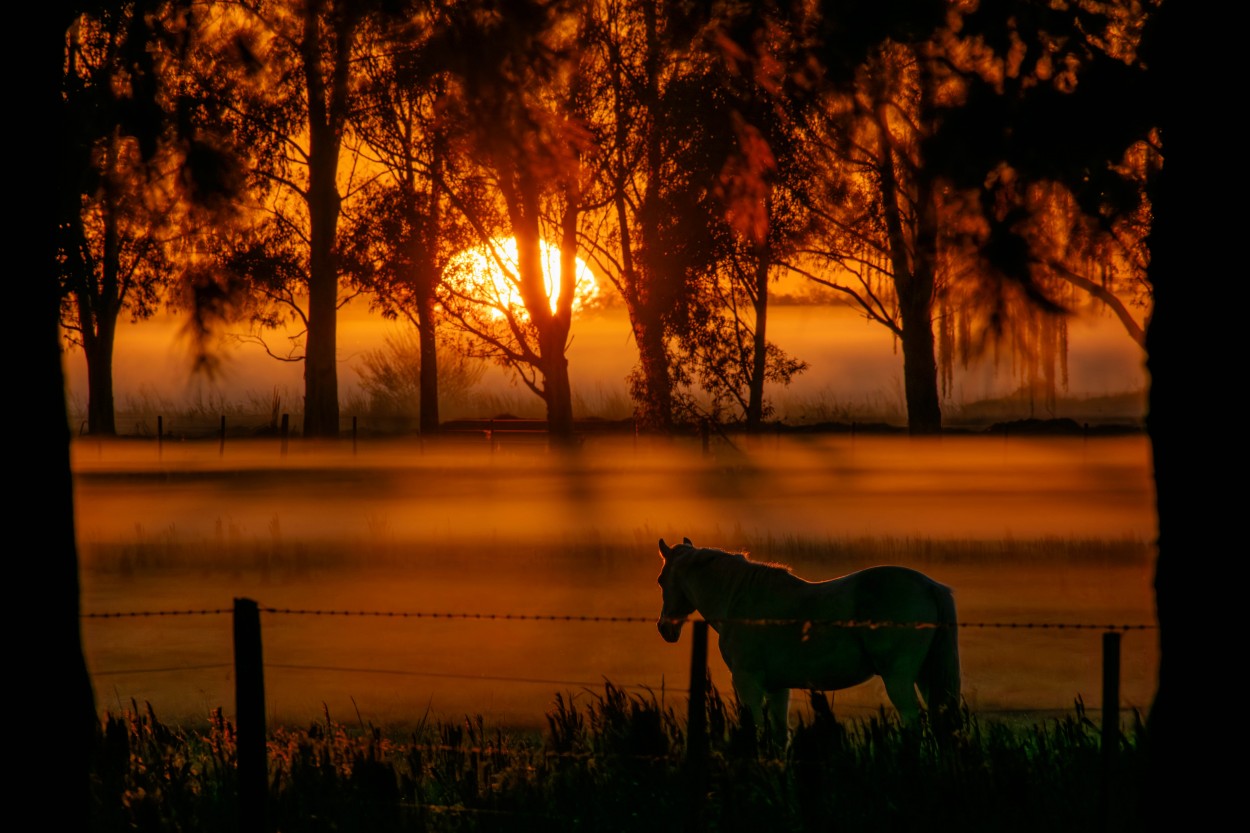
(249, 704)
(696, 728)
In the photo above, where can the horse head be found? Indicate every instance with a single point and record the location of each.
(677, 606)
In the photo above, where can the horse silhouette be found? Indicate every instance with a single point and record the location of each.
(779, 632)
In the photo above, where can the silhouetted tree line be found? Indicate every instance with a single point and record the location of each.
(972, 162)
(266, 161)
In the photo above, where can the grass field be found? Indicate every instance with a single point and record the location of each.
(620, 763)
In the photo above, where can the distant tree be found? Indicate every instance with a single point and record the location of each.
(762, 188)
(657, 237)
(915, 237)
(288, 69)
(894, 235)
(126, 249)
(518, 101)
(402, 231)
(691, 177)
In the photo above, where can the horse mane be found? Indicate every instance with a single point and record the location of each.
(761, 567)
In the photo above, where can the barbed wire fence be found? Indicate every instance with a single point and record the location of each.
(490, 616)
(248, 664)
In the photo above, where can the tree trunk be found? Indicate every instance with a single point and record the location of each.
(654, 399)
(558, 391)
(914, 278)
(99, 306)
(552, 327)
(920, 375)
(59, 647)
(321, 392)
(326, 111)
(98, 351)
(924, 413)
(1196, 511)
(428, 382)
(759, 346)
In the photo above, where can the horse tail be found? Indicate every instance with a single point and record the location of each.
(940, 675)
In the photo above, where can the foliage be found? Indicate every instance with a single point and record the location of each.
(617, 762)
(390, 377)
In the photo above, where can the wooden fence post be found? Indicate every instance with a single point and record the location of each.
(1110, 721)
(222, 449)
(160, 435)
(353, 435)
(696, 729)
(249, 704)
(286, 429)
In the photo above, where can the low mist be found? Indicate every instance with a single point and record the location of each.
(344, 545)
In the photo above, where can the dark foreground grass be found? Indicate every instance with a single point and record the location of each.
(619, 763)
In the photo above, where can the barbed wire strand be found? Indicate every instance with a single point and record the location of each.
(663, 688)
(585, 618)
(142, 613)
(450, 675)
(203, 667)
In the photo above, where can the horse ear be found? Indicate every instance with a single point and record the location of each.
(687, 542)
(664, 550)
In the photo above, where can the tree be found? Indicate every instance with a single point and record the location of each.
(656, 235)
(287, 67)
(518, 100)
(763, 192)
(696, 155)
(61, 647)
(1186, 765)
(918, 239)
(124, 252)
(112, 250)
(403, 233)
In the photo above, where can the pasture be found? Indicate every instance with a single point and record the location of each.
(343, 543)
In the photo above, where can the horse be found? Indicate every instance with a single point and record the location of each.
(779, 632)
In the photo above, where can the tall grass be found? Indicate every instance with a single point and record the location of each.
(615, 761)
(386, 402)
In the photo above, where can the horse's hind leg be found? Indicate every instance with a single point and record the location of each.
(902, 691)
(900, 657)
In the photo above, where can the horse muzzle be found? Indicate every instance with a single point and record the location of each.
(670, 629)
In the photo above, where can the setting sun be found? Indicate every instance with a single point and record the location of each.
(477, 273)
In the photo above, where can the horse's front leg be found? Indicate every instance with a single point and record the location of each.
(778, 714)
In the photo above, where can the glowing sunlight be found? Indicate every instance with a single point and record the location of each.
(477, 274)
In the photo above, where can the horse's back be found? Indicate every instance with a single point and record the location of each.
(890, 592)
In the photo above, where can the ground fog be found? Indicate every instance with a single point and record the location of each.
(344, 545)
